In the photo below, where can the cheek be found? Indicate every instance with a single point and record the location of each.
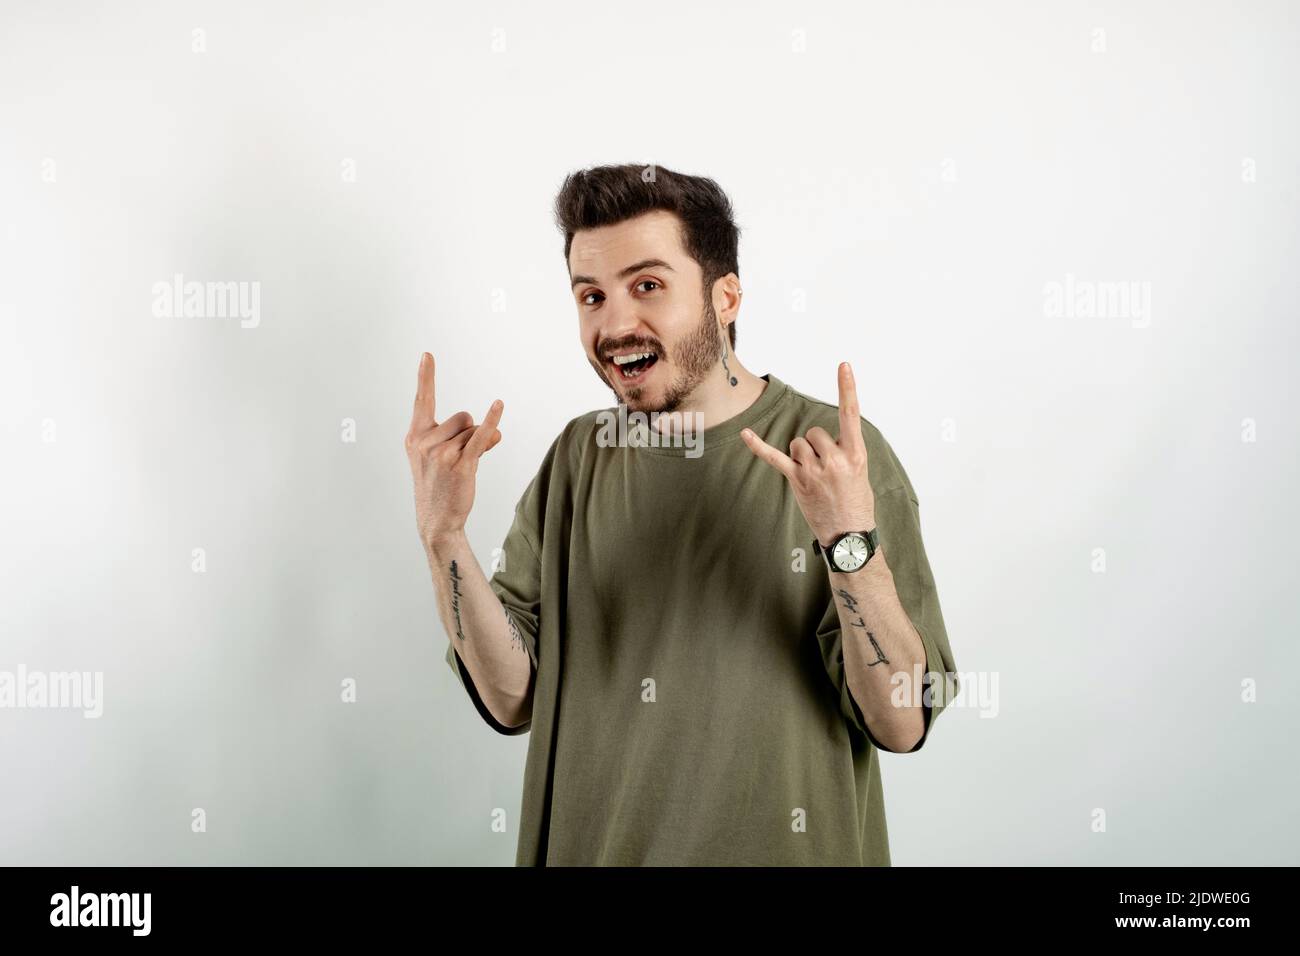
(587, 331)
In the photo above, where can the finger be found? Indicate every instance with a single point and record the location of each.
(479, 443)
(461, 439)
(822, 442)
(422, 415)
(802, 452)
(452, 427)
(465, 437)
(850, 416)
(769, 454)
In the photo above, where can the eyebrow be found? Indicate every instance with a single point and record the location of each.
(624, 273)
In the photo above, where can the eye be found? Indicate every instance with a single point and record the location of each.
(647, 282)
(588, 296)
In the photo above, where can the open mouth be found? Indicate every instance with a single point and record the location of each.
(633, 366)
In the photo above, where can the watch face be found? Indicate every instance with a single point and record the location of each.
(851, 552)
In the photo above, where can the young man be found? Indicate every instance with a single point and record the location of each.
(701, 632)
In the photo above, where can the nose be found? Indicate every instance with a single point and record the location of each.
(619, 320)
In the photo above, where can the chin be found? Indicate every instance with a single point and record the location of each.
(638, 400)
(658, 394)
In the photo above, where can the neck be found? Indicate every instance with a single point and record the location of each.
(717, 400)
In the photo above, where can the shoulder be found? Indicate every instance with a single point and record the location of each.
(555, 474)
(569, 446)
(580, 431)
(887, 473)
(582, 427)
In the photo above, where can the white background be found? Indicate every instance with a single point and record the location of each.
(913, 175)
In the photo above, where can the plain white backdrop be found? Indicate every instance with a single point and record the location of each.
(911, 181)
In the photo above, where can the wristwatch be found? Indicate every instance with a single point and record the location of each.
(848, 551)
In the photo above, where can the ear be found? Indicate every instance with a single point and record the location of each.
(726, 298)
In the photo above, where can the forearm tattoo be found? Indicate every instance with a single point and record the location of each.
(852, 607)
(516, 639)
(455, 599)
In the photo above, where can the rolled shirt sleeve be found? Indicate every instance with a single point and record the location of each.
(517, 582)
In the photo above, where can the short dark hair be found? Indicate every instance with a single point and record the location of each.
(605, 195)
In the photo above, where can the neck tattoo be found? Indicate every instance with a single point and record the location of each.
(730, 378)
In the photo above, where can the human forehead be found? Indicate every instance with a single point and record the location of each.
(603, 251)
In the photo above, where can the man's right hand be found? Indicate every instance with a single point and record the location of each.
(444, 460)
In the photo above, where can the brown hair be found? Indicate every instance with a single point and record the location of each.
(605, 195)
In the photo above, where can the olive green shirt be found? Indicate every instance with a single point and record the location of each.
(690, 705)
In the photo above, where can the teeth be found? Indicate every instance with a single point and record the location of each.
(624, 359)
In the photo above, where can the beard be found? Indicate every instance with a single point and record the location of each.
(693, 358)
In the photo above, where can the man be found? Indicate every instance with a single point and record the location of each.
(709, 649)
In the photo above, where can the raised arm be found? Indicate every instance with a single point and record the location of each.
(829, 479)
(444, 461)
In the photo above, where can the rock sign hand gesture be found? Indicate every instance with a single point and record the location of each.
(829, 477)
(444, 459)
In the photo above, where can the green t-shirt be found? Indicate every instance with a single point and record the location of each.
(690, 706)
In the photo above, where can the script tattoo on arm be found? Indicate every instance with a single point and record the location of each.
(852, 607)
(455, 599)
